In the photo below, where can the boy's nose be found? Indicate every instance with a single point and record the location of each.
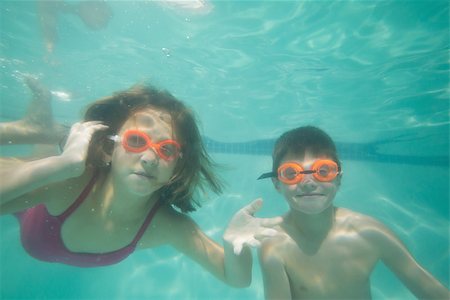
(308, 183)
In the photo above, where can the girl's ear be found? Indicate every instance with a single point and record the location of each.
(107, 153)
(107, 159)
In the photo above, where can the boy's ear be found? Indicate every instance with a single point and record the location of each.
(339, 178)
(276, 183)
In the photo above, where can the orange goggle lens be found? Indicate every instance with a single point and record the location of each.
(322, 170)
(137, 141)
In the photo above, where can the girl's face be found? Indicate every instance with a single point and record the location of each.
(143, 173)
(308, 196)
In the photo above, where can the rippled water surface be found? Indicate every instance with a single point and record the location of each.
(373, 74)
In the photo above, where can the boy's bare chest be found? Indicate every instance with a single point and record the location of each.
(338, 267)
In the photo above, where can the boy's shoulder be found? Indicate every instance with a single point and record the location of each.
(364, 225)
(345, 215)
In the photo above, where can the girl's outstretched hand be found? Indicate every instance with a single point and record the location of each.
(76, 148)
(245, 229)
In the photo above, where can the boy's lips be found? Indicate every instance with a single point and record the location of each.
(310, 195)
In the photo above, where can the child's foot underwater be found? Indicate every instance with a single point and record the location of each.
(38, 125)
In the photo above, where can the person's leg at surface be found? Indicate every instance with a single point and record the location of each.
(38, 125)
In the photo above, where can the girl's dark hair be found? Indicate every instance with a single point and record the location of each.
(304, 139)
(193, 170)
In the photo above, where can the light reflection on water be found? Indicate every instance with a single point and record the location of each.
(363, 71)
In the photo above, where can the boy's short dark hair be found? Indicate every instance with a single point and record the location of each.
(304, 139)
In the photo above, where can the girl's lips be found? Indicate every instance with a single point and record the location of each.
(143, 174)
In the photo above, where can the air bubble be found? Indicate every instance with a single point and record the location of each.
(166, 51)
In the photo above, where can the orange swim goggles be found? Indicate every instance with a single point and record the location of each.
(323, 170)
(134, 140)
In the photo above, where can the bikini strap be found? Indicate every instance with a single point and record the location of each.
(147, 222)
(87, 189)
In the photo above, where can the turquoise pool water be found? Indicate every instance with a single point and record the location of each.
(373, 74)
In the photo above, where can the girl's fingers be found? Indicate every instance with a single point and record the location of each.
(89, 126)
(253, 243)
(265, 233)
(269, 222)
(253, 207)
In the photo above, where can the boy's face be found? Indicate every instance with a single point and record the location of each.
(308, 196)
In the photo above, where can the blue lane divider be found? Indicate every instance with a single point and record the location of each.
(348, 151)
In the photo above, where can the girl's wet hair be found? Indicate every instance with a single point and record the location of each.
(193, 170)
(304, 139)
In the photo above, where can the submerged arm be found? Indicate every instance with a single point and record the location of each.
(275, 278)
(232, 269)
(21, 177)
(232, 263)
(397, 258)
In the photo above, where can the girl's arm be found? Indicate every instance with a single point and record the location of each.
(232, 263)
(232, 269)
(22, 177)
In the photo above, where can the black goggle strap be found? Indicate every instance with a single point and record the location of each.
(273, 174)
(268, 175)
